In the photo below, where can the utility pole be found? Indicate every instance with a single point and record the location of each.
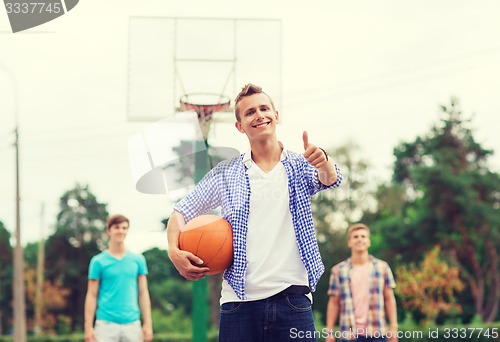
(40, 267)
(19, 296)
(18, 286)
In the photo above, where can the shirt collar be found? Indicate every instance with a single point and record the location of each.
(247, 157)
(370, 257)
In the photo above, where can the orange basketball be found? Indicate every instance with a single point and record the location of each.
(210, 238)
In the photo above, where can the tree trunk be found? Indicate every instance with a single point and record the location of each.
(467, 255)
(476, 290)
(484, 282)
(491, 309)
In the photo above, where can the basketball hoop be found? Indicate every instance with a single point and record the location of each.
(204, 104)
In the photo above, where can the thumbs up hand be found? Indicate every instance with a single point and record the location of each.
(315, 156)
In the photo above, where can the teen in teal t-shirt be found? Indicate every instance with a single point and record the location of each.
(118, 287)
(117, 291)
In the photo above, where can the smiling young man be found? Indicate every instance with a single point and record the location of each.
(265, 194)
(362, 293)
(117, 293)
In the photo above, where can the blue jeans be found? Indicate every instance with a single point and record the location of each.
(283, 317)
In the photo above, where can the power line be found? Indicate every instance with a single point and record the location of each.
(404, 70)
(373, 88)
(326, 91)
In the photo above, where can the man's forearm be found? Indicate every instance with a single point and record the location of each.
(90, 308)
(327, 173)
(175, 223)
(332, 313)
(145, 305)
(391, 310)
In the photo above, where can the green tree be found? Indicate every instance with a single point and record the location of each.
(180, 173)
(79, 235)
(5, 279)
(54, 300)
(167, 288)
(30, 252)
(430, 286)
(160, 267)
(389, 241)
(451, 197)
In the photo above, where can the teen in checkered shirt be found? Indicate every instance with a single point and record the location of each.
(362, 293)
(265, 194)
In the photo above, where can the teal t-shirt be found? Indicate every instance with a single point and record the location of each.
(117, 300)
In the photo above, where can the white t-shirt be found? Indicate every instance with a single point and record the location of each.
(273, 259)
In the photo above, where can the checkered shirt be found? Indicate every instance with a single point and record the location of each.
(340, 285)
(227, 185)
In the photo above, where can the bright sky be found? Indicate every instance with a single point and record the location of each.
(372, 72)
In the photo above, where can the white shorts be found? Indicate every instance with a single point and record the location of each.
(113, 332)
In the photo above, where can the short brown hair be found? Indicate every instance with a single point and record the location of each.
(116, 219)
(357, 226)
(248, 90)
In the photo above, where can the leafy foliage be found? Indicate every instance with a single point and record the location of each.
(54, 300)
(5, 279)
(430, 286)
(79, 235)
(169, 291)
(450, 197)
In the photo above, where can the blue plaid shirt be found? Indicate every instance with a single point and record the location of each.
(227, 185)
(340, 285)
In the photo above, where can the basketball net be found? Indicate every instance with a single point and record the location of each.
(204, 105)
